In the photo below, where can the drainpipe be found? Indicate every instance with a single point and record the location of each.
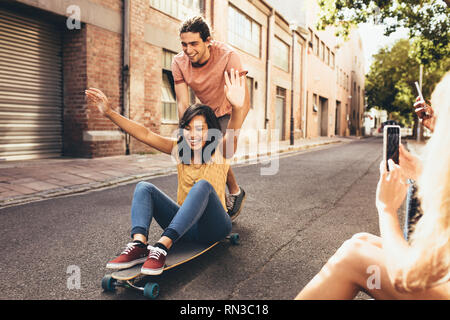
(305, 83)
(126, 69)
(293, 27)
(268, 64)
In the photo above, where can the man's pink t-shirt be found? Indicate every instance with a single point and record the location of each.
(208, 81)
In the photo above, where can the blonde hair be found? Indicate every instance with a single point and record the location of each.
(430, 242)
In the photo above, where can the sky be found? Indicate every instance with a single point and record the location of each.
(373, 39)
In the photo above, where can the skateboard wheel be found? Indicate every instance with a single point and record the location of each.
(151, 290)
(234, 238)
(109, 283)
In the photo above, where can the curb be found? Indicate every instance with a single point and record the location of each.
(80, 189)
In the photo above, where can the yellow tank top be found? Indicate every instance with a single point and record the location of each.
(215, 172)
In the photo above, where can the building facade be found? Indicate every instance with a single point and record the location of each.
(51, 51)
(334, 74)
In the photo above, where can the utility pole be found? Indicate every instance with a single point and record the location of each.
(419, 123)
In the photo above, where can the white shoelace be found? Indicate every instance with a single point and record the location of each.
(155, 252)
(130, 246)
(230, 200)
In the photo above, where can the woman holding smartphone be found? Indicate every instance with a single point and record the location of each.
(201, 152)
(419, 269)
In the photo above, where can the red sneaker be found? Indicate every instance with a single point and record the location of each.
(154, 264)
(133, 254)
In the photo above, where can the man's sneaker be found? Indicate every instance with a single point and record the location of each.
(133, 254)
(235, 203)
(154, 264)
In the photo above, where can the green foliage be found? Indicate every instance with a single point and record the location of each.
(390, 81)
(428, 21)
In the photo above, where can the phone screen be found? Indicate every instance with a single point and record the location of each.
(392, 144)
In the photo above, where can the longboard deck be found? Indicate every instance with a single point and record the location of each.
(179, 254)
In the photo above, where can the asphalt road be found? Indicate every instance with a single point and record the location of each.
(291, 224)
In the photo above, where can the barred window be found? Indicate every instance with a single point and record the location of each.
(243, 32)
(180, 9)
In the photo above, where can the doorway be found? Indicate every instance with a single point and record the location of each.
(323, 116)
(280, 107)
(337, 125)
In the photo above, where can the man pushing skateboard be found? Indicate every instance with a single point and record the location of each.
(201, 66)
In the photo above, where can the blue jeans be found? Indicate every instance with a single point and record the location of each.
(201, 218)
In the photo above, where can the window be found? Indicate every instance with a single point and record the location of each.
(250, 82)
(316, 46)
(311, 39)
(328, 56)
(180, 9)
(322, 51)
(315, 108)
(243, 32)
(338, 76)
(168, 100)
(332, 60)
(281, 55)
(167, 59)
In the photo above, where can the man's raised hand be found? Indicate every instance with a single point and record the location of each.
(235, 88)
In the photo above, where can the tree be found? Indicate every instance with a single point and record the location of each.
(388, 84)
(390, 81)
(428, 21)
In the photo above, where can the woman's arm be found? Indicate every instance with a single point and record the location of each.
(391, 192)
(237, 94)
(135, 129)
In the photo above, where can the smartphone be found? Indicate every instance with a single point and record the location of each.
(391, 144)
(419, 91)
(423, 113)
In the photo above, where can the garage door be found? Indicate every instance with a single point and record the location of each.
(30, 88)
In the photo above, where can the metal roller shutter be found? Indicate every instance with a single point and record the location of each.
(30, 88)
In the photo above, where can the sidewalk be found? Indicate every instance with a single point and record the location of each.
(34, 180)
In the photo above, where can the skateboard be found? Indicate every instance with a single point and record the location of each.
(180, 253)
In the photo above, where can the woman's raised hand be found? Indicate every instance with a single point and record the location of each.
(99, 99)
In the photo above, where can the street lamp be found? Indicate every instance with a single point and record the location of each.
(293, 26)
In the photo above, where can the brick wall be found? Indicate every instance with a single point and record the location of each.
(75, 76)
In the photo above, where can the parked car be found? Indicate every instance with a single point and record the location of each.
(386, 123)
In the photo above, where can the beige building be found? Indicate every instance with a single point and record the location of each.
(334, 72)
(51, 51)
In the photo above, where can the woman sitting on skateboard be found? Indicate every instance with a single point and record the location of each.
(200, 212)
